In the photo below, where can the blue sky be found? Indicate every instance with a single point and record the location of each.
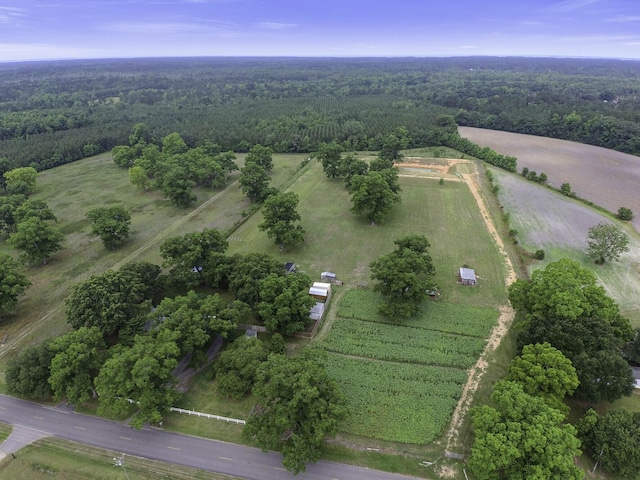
(54, 29)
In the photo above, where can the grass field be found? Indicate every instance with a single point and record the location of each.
(54, 458)
(72, 190)
(403, 380)
(340, 242)
(545, 219)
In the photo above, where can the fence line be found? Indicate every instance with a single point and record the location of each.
(207, 415)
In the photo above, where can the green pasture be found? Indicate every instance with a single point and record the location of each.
(55, 458)
(340, 242)
(73, 189)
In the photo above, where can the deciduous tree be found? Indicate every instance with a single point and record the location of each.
(404, 276)
(285, 302)
(606, 241)
(140, 373)
(13, 284)
(613, 439)
(260, 155)
(21, 180)
(79, 355)
(113, 301)
(187, 255)
(330, 155)
(34, 208)
(36, 239)
(28, 372)
(111, 224)
(298, 406)
(543, 371)
(254, 181)
(237, 366)
(520, 436)
(280, 213)
(138, 176)
(248, 270)
(372, 196)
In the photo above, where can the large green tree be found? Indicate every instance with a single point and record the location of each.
(142, 374)
(298, 406)
(237, 366)
(33, 207)
(330, 155)
(280, 214)
(404, 276)
(79, 355)
(21, 180)
(594, 349)
(186, 255)
(519, 436)
(113, 301)
(543, 371)
(372, 196)
(254, 180)
(285, 302)
(8, 206)
(36, 239)
(613, 440)
(606, 241)
(260, 155)
(13, 284)
(350, 166)
(28, 372)
(247, 271)
(111, 224)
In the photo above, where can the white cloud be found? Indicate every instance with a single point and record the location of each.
(624, 19)
(10, 14)
(276, 25)
(570, 5)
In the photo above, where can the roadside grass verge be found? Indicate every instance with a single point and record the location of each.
(55, 458)
(5, 431)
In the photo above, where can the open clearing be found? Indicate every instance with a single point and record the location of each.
(605, 177)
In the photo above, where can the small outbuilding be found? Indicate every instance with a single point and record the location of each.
(289, 267)
(328, 276)
(468, 276)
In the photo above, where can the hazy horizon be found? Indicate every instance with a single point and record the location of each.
(32, 30)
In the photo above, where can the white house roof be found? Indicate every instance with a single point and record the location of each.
(322, 292)
(326, 286)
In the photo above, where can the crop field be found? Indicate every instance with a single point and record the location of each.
(605, 177)
(546, 219)
(437, 316)
(402, 380)
(396, 402)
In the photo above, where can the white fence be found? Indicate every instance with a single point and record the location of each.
(208, 415)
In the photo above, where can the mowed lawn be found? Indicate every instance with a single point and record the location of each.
(343, 243)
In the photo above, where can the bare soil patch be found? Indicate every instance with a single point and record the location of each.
(605, 177)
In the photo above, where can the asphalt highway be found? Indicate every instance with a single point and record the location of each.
(32, 421)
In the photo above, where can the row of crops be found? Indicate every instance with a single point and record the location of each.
(439, 316)
(403, 380)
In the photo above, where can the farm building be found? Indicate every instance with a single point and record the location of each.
(468, 276)
(328, 276)
(320, 291)
(317, 311)
(289, 267)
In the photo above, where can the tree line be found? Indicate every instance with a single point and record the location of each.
(57, 112)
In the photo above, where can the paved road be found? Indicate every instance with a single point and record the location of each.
(34, 421)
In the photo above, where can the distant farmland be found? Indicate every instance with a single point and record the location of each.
(605, 177)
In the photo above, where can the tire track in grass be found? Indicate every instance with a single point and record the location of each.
(136, 254)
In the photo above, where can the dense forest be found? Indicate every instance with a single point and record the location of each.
(53, 113)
